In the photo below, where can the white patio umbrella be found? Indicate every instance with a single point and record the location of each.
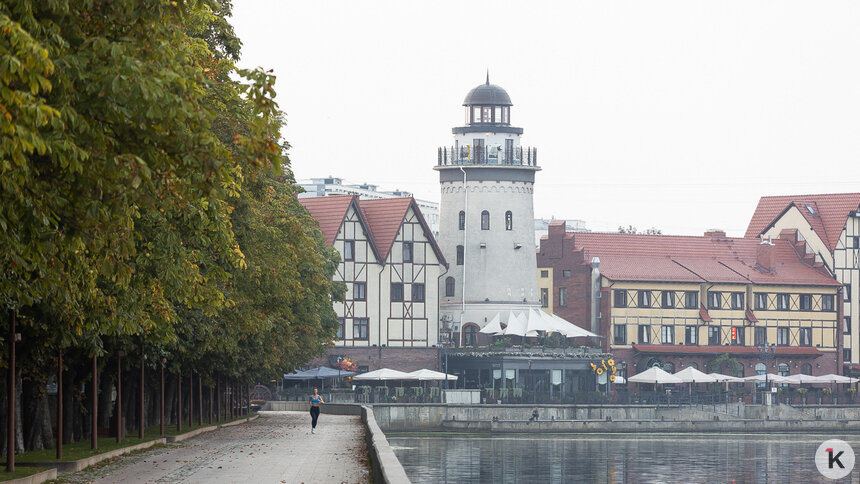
(831, 378)
(383, 374)
(654, 375)
(801, 379)
(770, 377)
(493, 327)
(516, 325)
(692, 375)
(430, 375)
(619, 380)
(725, 378)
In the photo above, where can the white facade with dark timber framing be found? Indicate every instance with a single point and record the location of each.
(390, 264)
(825, 228)
(486, 219)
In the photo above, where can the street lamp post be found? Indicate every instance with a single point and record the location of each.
(766, 352)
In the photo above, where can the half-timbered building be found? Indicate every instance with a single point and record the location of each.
(824, 229)
(390, 264)
(678, 301)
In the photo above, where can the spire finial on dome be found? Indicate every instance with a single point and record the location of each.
(488, 76)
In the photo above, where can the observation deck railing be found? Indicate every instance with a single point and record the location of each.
(487, 155)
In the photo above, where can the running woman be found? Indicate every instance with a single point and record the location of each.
(315, 401)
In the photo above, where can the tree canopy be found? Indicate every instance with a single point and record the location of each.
(145, 192)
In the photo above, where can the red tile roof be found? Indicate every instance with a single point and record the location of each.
(733, 350)
(831, 211)
(638, 257)
(381, 218)
(329, 213)
(384, 217)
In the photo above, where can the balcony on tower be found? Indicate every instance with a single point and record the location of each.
(487, 155)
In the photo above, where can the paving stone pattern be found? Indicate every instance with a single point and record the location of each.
(278, 447)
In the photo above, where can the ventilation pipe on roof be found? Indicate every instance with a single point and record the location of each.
(595, 295)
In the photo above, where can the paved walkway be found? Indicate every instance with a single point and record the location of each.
(278, 447)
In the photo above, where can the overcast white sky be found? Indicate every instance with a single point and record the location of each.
(672, 114)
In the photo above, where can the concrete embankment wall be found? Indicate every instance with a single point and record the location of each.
(386, 468)
(735, 417)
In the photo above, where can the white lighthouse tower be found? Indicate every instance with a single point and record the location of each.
(486, 220)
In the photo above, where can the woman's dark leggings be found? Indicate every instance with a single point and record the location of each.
(315, 414)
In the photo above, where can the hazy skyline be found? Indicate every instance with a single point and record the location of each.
(677, 115)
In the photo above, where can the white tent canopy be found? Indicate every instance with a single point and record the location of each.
(425, 375)
(516, 325)
(570, 330)
(493, 327)
(383, 374)
(654, 375)
(692, 375)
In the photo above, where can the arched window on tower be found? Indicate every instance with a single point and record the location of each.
(449, 286)
(485, 220)
(462, 220)
(460, 255)
(509, 220)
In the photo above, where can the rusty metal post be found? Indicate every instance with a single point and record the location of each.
(60, 406)
(161, 413)
(210, 404)
(140, 423)
(179, 403)
(191, 400)
(200, 400)
(10, 401)
(218, 398)
(94, 438)
(119, 355)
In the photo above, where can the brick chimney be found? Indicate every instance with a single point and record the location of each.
(766, 255)
(557, 228)
(716, 234)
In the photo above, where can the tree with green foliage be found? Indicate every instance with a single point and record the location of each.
(146, 202)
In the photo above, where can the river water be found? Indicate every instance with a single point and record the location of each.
(615, 458)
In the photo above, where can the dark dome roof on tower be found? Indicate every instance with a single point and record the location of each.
(487, 95)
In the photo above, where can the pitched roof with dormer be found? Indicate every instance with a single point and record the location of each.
(826, 213)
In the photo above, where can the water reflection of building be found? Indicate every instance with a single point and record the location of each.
(677, 301)
(487, 233)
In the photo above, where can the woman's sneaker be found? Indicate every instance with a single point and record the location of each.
(313, 431)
